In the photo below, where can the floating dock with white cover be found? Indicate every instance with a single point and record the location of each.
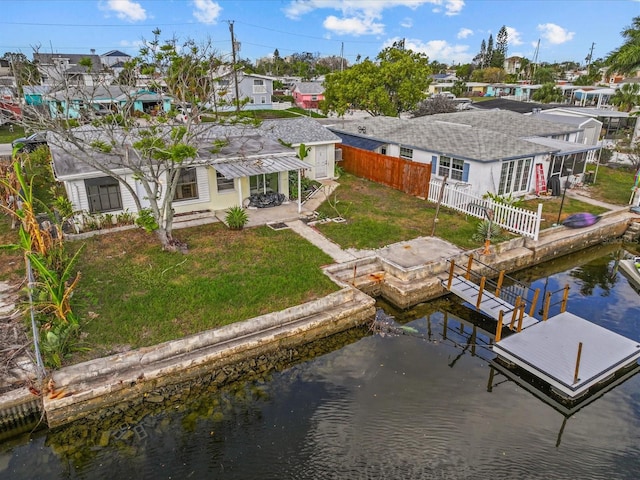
(550, 350)
(571, 354)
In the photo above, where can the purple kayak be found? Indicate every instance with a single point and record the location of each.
(580, 220)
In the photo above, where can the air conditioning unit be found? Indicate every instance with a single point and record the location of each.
(338, 154)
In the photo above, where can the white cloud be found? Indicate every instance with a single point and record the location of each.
(125, 10)
(408, 22)
(464, 33)
(206, 11)
(132, 44)
(555, 34)
(513, 37)
(439, 50)
(353, 26)
(366, 15)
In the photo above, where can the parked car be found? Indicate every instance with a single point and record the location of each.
(30, 143)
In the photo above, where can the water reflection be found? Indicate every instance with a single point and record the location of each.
(402, 403)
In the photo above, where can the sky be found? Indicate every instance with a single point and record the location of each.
(449, 31)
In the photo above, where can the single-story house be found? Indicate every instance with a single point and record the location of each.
(69, 103)
(251, 160)
(614, 123)
(492, 151)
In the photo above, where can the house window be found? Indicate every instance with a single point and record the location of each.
(514, 176)
(406, 152)
(383, 150)
(103, 194)
(187, 188)
(453, 168)
(265, 183)
(314, 98)
(263, 99)
(224, 184)
(259, 86)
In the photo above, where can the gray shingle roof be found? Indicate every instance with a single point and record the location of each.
(295, 131)
(503, 121)
(309, 88)
(454, 139)
(243, 142)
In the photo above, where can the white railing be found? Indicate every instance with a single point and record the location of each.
(514, 219)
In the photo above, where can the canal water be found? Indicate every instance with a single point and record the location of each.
(414, 401)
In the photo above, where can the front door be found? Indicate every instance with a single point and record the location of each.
(321, 162)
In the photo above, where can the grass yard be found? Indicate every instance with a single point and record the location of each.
(612, 185)
(378, 216)
(6, 136)
(551, 208)
(132, 294)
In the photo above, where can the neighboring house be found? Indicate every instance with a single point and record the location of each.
(257, 89)
(5, 68)
(69, 103)
(253, 160)
(56, 68)
(590, 127)
(492, 151)
(614, 123)
(512, 65)
(113, 57)
(308, 94)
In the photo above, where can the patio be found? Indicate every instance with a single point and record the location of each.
(286, 212)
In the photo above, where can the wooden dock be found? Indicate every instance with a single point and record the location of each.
(571, 354)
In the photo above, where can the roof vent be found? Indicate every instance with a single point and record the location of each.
(362, 129)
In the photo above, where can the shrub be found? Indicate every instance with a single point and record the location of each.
(236, 218)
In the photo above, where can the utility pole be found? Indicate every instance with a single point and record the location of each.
(235, 70)
(341, 56)
(590, 56)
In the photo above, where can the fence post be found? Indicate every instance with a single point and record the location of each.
(536, 229)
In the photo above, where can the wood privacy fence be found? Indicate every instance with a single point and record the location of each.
(514, 219)
(410, 177)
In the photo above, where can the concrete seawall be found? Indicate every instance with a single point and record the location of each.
(404, 274)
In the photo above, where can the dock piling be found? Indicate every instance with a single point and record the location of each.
(576, 374)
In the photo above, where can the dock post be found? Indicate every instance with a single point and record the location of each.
(521, 317)
(516, 308)
(355, 268)
(547, 304)
(575, 376)
(536, 294)
(499, 285)
(480, 290)
(469, 265)
(565, 297)
(499, 326)
(451, 268)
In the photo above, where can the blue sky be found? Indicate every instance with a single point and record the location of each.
(449, 31)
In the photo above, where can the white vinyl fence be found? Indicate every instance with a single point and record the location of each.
(514, 219)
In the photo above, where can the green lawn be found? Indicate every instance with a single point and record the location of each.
(551, 209)
(612, 185)
(6, 136)
(132, 293)
(378, 215)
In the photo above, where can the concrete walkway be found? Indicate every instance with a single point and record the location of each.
(316, 238)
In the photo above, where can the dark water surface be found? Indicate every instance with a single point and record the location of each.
(406, 406)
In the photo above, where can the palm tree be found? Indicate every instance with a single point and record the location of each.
(626, 58)
(626, 97)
